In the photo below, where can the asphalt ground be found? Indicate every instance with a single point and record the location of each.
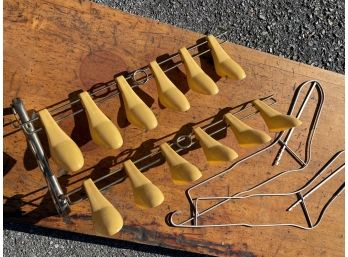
(310, 31)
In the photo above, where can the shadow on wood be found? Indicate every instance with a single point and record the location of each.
(207, 62)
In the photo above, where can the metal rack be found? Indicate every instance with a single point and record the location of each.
(27, 124)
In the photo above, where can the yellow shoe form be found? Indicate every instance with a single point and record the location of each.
(146, 194)
(181, 170)
(224, 65)
(246, 136)
(275, 121)
(137, 112)
(169, 95)
(197, 79)
(103, 131)
(214, 150)
(63, 149)
(106, 219)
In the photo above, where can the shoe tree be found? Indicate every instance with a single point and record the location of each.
(106, 219)
(197, 79)
(181, 170)
(146, 194)
(103, 131)
(275, 121)
(169, 95)
(224, 65)
(63, 149)
(246, 136)
(137, 112)
(214, 150)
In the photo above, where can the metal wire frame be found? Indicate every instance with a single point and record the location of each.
(278, 140)
(298, 193)
(183, 142)
(135, 82)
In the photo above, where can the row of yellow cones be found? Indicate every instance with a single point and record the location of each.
(106, 218)
(104, 133)
(197, 79)
(169, 95)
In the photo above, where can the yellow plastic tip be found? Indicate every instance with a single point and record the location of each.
(275, 121)
(169, 95)
(146, 194)
(137, 112)
(106, 219)
(245, 135)
(213, 150)
(224, 65)
(197, 79)
(63, 149)
(103, 131)
(182, 171)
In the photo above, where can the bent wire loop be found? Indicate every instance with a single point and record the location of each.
(282, 139)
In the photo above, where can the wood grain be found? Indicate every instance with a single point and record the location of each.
(55, 49)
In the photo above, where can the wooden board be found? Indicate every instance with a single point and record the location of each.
(53, 49)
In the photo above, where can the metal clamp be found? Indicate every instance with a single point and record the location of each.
(53, 185)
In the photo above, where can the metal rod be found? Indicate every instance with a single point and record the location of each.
(296, 157)
(305, 210)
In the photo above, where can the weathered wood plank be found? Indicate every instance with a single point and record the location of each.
(53, 49)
